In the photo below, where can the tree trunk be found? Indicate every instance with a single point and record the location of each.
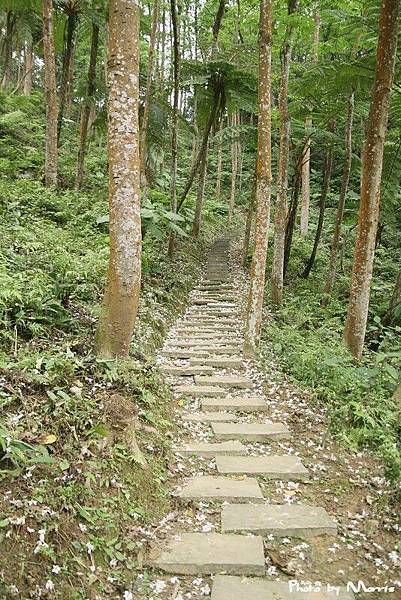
(289, 230)
(335, 242)
(174, 131)
(121, 299)
(248, 223)
(28, 68)
(148, 93)
(280, 217)
(234, 165)
(199, 198)
(219, 164)
(50, 94)
(86, 109)
(328, 168)
(263, 183)
(355, 327)
(8, 50)
(308, 125)
(67, 74)
(394, 302)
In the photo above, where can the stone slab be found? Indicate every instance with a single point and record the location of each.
(285, 468)
(200, 343)
(251, 404)
(224, 363)
(210, 417)
(228, 381)
(221, 489)
(209, 553)
(251, 432)
(181, 353)
(186, 371)
(200, 390)
(227, 587)
(211, 350)
(277, 519)
(211, 450)
(210, 335)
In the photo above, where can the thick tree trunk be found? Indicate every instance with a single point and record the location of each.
(8, 50)
(335, 242)
(308, 125)
(199, 198)
(355, 327)
(234, 166)
(263, 184)
(280, 218)
(121, 299)
(174, 131)
(28, 68)
(86, 109)
(328, 168)
(148, 93)
(67, 72)
(50, 94)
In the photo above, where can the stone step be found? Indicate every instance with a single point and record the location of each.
(221, 489)
(210, 417)
(228, 587)
(251, 404)
(200, 390)
(209, 553)
(284, 468)
(233, 381)
(251, 432)
(186, 371)
(213, 335)
(223, 363)
(211, 350)
(211, 450)
(200, 343)
(277, 519)
(181, 353)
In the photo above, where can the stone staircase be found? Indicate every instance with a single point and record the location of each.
(205, 355)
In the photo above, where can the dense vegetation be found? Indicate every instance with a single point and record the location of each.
(55, 237)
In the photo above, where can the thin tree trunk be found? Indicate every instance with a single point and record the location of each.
(248, 223)
(289, 230)
(335, 242)
(50, 94)
(174, 132)
(199, 198)
(8, 50)
(280, 218)
(234, 166)
(121, 299)
(28, 68)
(67, 74)
(355, 326)
(394, 302)
(148, 93)
(263, 184)
(328, 168)
(86, 109)
(308, 125)
(219, 163)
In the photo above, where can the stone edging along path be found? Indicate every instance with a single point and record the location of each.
(203, 359)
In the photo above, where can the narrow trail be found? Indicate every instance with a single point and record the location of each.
(234, 448)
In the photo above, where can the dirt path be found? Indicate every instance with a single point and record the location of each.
(264, 498)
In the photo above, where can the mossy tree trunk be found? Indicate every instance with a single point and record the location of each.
(263, 184)
(121, 299)
(372, 166)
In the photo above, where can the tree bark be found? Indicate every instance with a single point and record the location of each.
(199, 198)
(67, 72)
(234, 165)
(219, 164)
(292, 213)
(174, 129)
(355, 326)
(28, 68)
(308, 124)
(280, 217)
(148, 93)
(121, 299)
(8, 50)
(328, 168)
(253, 324)
(335, 242)
(248, 223)
(50, 94)
(86, 109)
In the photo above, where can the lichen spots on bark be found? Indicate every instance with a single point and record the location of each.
(121, 299)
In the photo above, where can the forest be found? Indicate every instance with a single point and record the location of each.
(228, 171)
